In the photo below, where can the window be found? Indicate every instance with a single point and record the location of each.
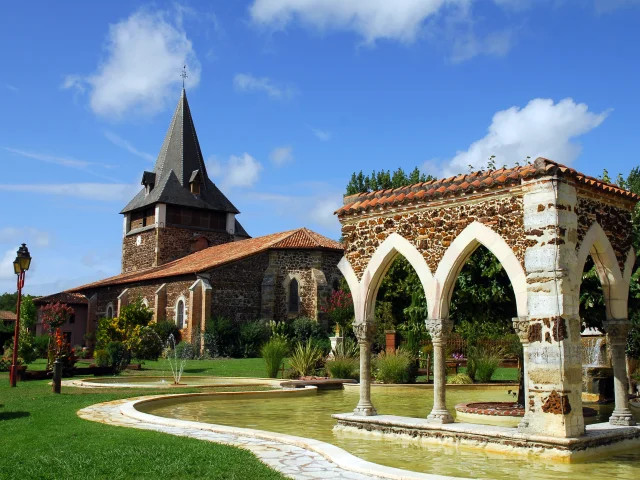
(180, 314)
(294, 300)
(109, 311)
(336, 285)
(72, 318)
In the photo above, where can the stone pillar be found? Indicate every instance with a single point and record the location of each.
(194, 311)
(439, 329)
(268, 289)
(160, 311)
(617, 331)
(521, 326)
(123, 300)
(207, 295)
(554, 363)
(364, 333)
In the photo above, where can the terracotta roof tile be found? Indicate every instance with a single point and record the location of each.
(62, 297)
(480, 180)
(7, 316)
(218, 255)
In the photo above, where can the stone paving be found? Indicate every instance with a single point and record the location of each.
(291, 460)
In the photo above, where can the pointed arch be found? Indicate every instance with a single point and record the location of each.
(597, 244)
(458, 253)
(628, 265)
(382, 259)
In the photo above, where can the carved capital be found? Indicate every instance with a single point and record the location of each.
(617, 331)
(521, 326)
(364, 331)
(439, 328)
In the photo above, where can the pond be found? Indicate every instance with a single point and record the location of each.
(310, 417)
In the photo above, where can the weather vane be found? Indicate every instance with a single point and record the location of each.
(184, 74)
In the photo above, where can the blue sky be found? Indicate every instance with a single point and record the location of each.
(289, 97)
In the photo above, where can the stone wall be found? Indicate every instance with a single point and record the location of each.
(236, 288)
(175, 242)
(139, 254)
(614, 218)
(432, 228)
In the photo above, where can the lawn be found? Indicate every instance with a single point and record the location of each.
(42, 437)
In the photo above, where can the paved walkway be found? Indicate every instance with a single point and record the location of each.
(291, 460)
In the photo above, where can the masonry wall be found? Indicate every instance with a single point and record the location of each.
(157, 246)
(432, 228)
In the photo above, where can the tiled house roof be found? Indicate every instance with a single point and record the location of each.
(62, 297)
(472, 183)
(7, 316)
(219, 255)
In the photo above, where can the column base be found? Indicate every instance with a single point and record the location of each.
(440, 417)
(623, 419)
(365, 410)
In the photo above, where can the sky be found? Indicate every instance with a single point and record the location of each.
(289, 97)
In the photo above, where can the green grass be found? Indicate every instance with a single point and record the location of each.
(41, 436)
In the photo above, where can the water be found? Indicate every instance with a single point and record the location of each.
(177, 358)
(311, 417)
(594, 352)
(186, 381)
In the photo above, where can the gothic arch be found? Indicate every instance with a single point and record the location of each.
(614, 287)
(455, 257)
(382, 259)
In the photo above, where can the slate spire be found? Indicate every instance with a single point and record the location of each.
(179, 158)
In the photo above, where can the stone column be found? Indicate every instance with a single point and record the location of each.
(439, 329)
(521, 326)
(160, 311)
(617, 331)
(364, 332)
(554, 366)
(123, 300)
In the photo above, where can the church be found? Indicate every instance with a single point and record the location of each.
(186, 255)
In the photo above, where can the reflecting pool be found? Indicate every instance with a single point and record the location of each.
(310, 417)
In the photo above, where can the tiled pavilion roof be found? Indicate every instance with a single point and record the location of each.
(218, 255)
(7, 316)
(472, 183)
(69, 298)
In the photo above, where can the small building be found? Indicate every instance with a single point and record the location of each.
(6, 334)
(75, 328)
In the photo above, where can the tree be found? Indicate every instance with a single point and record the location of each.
(28, 312)
(384, 180)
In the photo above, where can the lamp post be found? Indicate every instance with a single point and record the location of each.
(20, 266)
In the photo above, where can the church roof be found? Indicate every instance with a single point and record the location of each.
(62, 297)
(218, 255)
(178, 161)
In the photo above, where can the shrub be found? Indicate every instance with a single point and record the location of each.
(460, 379)
(78, 351)
(274, 352)
(185, 350)
(101, 358)
(348, 348)
(343, 366)
(222, 337)
(148, 345)
(394, 367)
(41, 345)
(26, 348)
(166, 328)
(305, 329)
(118, 355)
(486, 367)
(305, 358)
(252, 337)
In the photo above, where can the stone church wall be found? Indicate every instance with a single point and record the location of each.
(139, 256)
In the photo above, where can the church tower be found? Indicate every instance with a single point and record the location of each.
(179, 210)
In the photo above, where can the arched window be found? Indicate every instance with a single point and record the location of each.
(336, 285)
(294, 299)
(180, 314)
(109, 311)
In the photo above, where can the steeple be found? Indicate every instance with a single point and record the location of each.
(179, 162)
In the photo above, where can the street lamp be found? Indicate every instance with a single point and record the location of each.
(20, 266)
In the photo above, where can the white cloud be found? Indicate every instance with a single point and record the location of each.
(122, 143)
(6, 264)
(607, 6)
(141, 68)
(323, 135)
(11, 87)
(104, 192)
(64, 161)
(245, 82)
(239, 171)
(542, 128)
(282, 155)
(13, 234)
(372, 19)
(469, 45)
